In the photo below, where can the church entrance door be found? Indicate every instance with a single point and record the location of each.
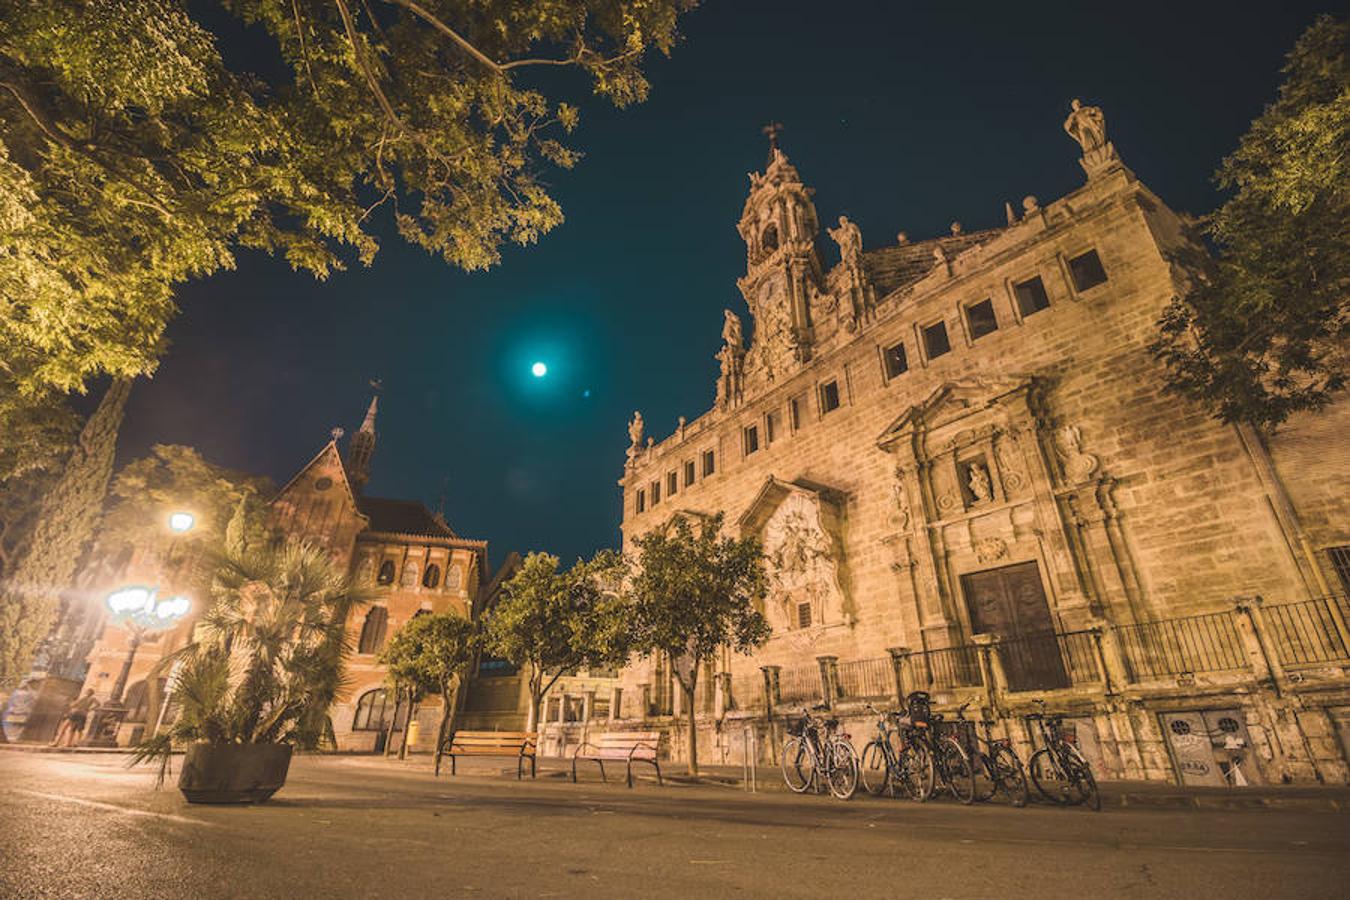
(1010, 602)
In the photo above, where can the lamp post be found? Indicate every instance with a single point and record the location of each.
(141, 611)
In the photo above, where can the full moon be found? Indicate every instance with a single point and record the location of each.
(539, 370)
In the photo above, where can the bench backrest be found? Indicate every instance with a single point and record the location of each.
(496, 740)
(642, 744)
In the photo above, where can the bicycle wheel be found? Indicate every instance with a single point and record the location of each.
(843, 769)
(1084, 785)
(1012, 778)
(1051, 781)
(915, 773)
(986, 777)
(955, 770)
(799, 766)
(876, 769)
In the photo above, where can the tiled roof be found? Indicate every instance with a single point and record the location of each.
(890, 268)
(403, 517)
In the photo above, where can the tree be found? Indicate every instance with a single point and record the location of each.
(429, 655)
(1262, 332)
(555, 622)
(140, 148)
(693, 594)
(268, 657)
(65, 520)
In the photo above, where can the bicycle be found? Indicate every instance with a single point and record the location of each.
(952, 767)
(1058, 769)
(884, 765)
(995, 759)
(816, 754)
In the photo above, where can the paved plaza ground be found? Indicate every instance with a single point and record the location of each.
(83, 825)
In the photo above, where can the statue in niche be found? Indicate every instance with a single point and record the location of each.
(978, 480)
(849, 239)
(903, 513)
(731, 330)
(802, 564)
(1087, 126)
(1078, 466)
(635, 428)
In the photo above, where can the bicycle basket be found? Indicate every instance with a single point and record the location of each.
(920, 707)
(1068, 732)
(797, 727)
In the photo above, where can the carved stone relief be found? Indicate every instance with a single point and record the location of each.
(1010, 466)
(773, 348)
(409, 576)
(903, 513)
(1077, 465)
(803, 561)
(990, 550)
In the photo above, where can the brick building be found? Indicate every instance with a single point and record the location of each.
(968, 479)
(399, 547)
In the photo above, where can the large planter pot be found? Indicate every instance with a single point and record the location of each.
(233, 773)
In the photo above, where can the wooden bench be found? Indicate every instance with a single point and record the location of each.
(520, 744)
(628, 746)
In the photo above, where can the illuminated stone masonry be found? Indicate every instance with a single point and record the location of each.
(968, 480)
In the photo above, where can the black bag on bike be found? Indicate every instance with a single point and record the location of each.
(920, 707)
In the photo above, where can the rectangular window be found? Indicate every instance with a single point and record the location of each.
(796, 410)
(896, 361)
(750, 438)
(1340, 561)
(935, 341)
(689, 472)
(771, 428)
(641, 501)
(804, 614)
(1031, 296)
(1087, 270)
(982, 319)
(829, 397)
(672, 483)
(708, 463)
(655, 490)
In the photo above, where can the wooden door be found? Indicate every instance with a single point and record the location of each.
(1010, 602)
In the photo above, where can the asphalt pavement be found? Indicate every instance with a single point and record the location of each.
(85, 826)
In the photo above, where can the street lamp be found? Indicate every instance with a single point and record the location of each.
(141, 610)
(181, 522)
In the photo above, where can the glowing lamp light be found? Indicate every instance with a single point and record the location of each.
(172, 608)
(143, 606)
(128, 600)
(181, 522)
(539, 370)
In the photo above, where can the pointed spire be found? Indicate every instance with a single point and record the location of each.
(1008, 211)
(361, 447)
(771, 131)
(369, 423)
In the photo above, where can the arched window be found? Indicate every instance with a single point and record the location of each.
(432, 576)
(137, 701)
(386, 575)
(372, 632)
(372, 712)
(769, 241)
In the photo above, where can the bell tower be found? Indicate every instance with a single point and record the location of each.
(779, 227)
(361, 448)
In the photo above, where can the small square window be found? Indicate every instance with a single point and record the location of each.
(896, 361)
(982, 319)
(829, 397)
(655, 490)
(796, 406)
(750, 436)
(804, 614)
(709, 461)
(1087, 270)
(641, 500)
(672, 483)
(935, 341)
(689, 472)
(1031, 296)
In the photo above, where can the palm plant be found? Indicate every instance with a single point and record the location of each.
(268, 657)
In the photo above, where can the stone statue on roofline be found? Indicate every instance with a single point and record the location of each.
(635, 429)
(732, 335)
(1087, 126)
(849, 239)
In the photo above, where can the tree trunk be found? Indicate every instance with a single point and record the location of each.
(442, 728)
(70, 511)
(693, 720)
(532, 719)
(407, 725)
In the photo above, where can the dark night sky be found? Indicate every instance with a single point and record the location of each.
(904, 116)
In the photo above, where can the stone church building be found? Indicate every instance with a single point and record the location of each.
(968, 480)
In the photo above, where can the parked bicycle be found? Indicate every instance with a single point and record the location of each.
(816, 754)
(952, 766)
(893, 758)
(997, 766)
(1058, 769)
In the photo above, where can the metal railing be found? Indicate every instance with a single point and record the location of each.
(1039, 662)
(866, 678)
(1205, 643)
(799, 683)
(1305, 633)
(949, 667)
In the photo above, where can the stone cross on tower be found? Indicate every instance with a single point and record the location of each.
(771, 131)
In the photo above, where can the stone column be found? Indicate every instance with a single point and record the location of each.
(988, 658)
(899, 663)
(587, 705)
(1110, 661)
(1256, 642)
(770, 688)
(615, 703)
(645, 690)
(829, 678)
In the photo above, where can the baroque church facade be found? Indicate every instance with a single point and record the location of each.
(411, 559)
(967, 479)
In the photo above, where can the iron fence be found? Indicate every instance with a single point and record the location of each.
(747, 691)
(1203, 643)
(1038, 662)
(947, 668)
(799, 683)
(866, 678)
(1304, 633)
